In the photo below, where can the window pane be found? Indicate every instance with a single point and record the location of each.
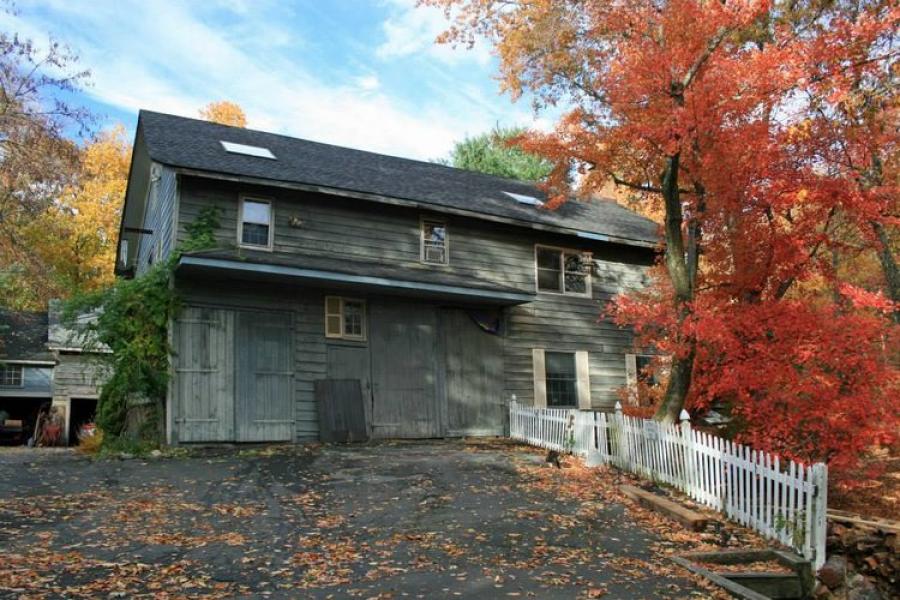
(548, 280)
(333, 325)
(353, 319)
(255, 235)
(548, 259)
(332, 305)
(435, 232)
(256, 212)
(576, 283)
(575, 263)
(562, 382)
(643, 363)
(11, 375)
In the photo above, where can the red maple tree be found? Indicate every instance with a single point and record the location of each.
(767, 132)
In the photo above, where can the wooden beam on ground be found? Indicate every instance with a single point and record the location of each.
(690, 519)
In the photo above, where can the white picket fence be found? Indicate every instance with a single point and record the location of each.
(784, 501)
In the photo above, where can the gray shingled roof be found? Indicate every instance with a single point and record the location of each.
(194, 144)
(23, 335)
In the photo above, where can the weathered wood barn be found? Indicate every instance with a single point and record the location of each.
(42, 364)
(428, 294)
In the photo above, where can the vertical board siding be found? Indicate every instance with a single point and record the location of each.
(159, 217)
(786, 503)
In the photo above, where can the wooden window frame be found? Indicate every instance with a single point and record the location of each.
(342, 300)
(582, 374)
(422, 221)
(240, 228)
(588, 291)
(21, 369)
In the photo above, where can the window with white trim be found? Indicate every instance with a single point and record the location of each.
(562, 271)
(434, 242)
(11, 375)
(255, 226)
(562, 379)
(345, 318)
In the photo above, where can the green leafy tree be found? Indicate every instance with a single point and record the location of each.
(496, 153)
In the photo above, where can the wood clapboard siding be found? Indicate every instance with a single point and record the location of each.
(161, 200)
(567, 323)
(76, 375)
(351, 229)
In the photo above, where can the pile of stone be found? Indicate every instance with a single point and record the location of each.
(864, 562)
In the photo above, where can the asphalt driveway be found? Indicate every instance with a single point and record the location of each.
(426, 520)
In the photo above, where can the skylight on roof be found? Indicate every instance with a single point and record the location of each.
(523, 199)
(236, 148)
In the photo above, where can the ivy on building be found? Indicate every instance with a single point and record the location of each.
(131, 329)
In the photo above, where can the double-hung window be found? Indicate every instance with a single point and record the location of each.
(562, 271)
(434, 242)
(345, 318)
(11, 375)
(562, 379)
(255, 228)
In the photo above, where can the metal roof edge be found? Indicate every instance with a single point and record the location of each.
(332, 276)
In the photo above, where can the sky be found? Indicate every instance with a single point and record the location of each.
(358, 73)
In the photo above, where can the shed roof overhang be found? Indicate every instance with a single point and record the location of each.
(396, 284)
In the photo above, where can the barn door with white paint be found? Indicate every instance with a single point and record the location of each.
(204, 375)
(264, 406)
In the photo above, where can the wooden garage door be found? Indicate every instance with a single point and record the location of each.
(204, 375)
(264, 407)
(405, 399)
(234, 376)
(474, 377)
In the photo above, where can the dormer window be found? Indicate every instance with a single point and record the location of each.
(434, 242)
(255, 228)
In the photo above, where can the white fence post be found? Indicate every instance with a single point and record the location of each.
(687, 442)
(818, 520)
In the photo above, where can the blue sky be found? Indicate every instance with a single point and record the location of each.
(357, 73)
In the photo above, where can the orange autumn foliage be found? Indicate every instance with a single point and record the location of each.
(769, 131)
(224, 113)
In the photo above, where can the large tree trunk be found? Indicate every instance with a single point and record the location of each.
(889, 266)
(681, 264)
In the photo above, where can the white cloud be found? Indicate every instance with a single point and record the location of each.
(368, 83)
(412, 30)
(172, 57)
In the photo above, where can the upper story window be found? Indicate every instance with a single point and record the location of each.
(562, 271)
(434, 242)
(11, 375)
(255, 227)
(345, 318)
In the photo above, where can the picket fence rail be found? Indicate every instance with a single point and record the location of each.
(782, 500)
